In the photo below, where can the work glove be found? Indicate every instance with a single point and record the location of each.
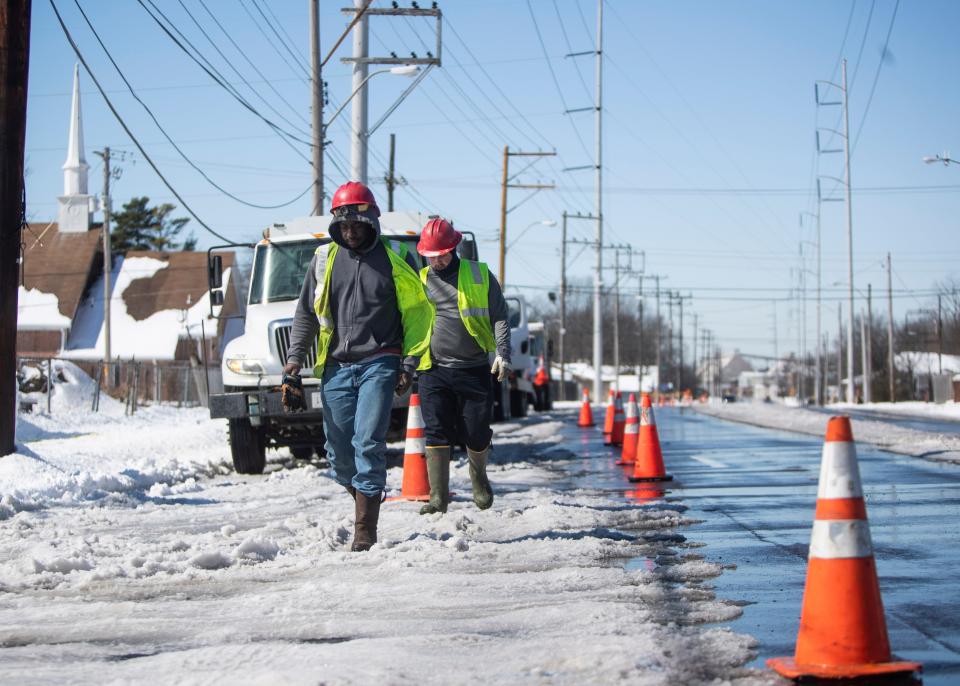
(500, 368)
(404, 381)
(291, 393)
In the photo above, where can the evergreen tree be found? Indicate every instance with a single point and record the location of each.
(141, 227)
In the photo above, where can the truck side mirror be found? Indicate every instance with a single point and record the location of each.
(216, 298)
(215, 272)
(468, 246)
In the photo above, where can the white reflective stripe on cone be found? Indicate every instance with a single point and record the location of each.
(631, 428)
(415, 420)
(839, 538)
(646, 417)
(839, 474)
(415, 446)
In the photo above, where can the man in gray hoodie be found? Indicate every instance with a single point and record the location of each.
(365, 307)
(471, 322)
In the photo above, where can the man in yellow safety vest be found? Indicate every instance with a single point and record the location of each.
(471, 322)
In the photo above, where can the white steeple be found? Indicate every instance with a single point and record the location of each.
(75, 204)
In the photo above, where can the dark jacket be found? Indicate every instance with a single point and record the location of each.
(363, 302)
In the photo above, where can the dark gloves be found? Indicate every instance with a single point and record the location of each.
(404, 381)
(291, 393)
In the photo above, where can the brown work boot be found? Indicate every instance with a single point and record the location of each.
(438, 471)
(482, 492)
(367, 511)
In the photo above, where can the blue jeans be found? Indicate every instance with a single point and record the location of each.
(357, 399)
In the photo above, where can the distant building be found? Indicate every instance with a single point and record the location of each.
(158, 300)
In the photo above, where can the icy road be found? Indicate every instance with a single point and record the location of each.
(130, 552)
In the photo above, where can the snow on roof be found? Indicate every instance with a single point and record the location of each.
(143, 337)
(37, 310)
(927, 362)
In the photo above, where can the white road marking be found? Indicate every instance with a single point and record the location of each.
(716, 464)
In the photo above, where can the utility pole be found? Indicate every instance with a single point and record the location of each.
(598, 169)
(361, 61)
(840, 350)
(598, 284)
(563, 306)
(504, 211)
(358, 147)
(891, 372)
(868, 365)
(14, 63)
(616, 302)
(316, 109)
(776, 351)
(846, 155)
(391, 179)
(640, 332)
(563, 291)
(107, 257)
(695, 352)
(659, 336)
(939, 333)
(670, 332)
(680, 299)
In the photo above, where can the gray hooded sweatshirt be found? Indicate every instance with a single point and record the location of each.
(363, 305)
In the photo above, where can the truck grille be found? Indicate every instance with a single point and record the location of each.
(282, 337)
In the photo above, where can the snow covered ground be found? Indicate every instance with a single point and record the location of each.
(131, 553)
(899, 439)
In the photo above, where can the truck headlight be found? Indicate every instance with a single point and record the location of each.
(242, 365)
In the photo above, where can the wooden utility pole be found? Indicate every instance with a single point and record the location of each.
(504, 211)
(391, 178)
(14, 62)
(107, 258)
(891, 371)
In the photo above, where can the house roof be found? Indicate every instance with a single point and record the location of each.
(182, 283)
(59, 263)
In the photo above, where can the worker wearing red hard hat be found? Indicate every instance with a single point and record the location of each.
(471, 323)
(362, 303)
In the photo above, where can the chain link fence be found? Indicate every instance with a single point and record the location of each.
(52, 384)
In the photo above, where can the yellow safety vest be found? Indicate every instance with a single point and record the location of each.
(416, 310)
(473, 302)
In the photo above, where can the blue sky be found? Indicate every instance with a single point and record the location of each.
(709, 122)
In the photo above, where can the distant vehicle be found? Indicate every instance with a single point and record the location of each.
(512, 398)
(253, 362)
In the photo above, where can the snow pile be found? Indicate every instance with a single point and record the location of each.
(898, 439)
(134, 552)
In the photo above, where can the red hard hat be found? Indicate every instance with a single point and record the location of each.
(438, 238)
(354, 193)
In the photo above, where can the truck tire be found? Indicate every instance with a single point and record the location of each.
(518, 403)
(247, 446)
(496, 401)
(302, 452)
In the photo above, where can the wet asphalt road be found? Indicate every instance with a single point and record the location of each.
(755, 492)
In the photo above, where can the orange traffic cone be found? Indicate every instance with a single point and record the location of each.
(608, 419)
(631, 430)
(415, 484)
(586, 412)
(619, 420)
(842, 629)
(649, 461)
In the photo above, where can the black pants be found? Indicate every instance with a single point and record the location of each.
(454, 398)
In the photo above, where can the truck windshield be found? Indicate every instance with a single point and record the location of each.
(279, 269)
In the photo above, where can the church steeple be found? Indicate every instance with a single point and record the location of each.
(75, 168)
(75, 204)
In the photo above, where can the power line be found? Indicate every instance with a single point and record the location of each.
(214, 73)
(116, 114)
(164, 131)
(876, 76)
(303, 69)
